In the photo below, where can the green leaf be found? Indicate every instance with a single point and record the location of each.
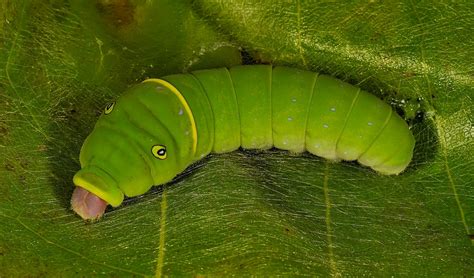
(242, 213)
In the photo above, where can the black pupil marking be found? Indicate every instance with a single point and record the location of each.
(109, 105)
(162, 152)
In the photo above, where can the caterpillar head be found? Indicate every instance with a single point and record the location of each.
(112, 174)
(140, 141)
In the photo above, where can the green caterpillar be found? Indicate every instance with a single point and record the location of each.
(161, 126)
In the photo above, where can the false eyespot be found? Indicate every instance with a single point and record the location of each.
(159, 151)
(109, 107)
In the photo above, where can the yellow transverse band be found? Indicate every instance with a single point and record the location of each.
(185, 105)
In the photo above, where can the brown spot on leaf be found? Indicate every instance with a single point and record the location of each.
(408, 74)
(42, 148)
(9, 166)
(3, 129)
(24, 164)
(288, 231)
(119, 13)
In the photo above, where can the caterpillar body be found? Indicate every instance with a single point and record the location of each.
(159, 127)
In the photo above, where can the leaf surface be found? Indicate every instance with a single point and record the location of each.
(247, 212)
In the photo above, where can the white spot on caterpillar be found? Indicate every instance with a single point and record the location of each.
(187, 132)
(333, 109)
(325, 126)
(317, 146)
(290, 119)
(180, 111)
(370, 123)
(159, 88)
(293, 100)
(285, 142)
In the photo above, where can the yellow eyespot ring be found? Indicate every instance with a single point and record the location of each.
(109, 108)
(159, 151)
